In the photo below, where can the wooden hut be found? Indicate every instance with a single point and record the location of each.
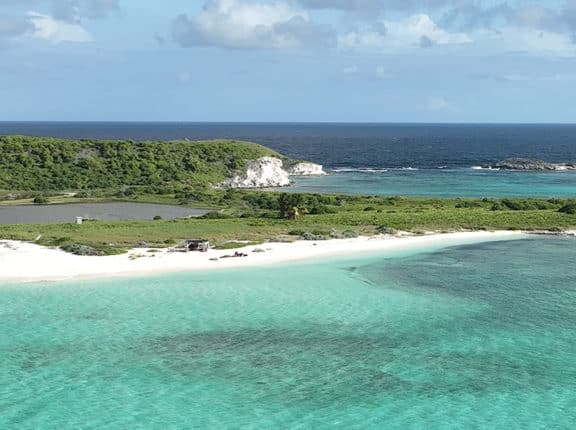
(201, 245)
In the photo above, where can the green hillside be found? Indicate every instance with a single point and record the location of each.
(46, 164)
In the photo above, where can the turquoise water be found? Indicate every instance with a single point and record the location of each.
(469, 337)
(444, 183)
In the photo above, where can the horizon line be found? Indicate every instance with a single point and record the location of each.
(277, 122)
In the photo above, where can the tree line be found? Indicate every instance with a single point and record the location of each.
(47, 164)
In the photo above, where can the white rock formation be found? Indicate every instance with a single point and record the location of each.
(306, 169)
(261, 173)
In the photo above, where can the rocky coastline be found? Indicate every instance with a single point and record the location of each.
(529, 164)
(271, 172)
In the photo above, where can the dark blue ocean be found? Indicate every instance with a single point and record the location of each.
(405, 159)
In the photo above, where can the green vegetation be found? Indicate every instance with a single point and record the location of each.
(259, 216)
(40, 200)
(97, 250)
(236, 244)
(569, 208)
(46, 164)
(39, 170)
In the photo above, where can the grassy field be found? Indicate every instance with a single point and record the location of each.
(253, 216)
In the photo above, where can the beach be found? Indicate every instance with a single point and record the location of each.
(28, 262)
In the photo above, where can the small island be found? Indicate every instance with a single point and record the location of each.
(222, 180)
(529, 164)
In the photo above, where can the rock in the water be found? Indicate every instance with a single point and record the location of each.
(524, 164)
(529, 164)
(306, 169)
(261, 173)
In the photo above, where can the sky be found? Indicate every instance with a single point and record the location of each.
(288, 60)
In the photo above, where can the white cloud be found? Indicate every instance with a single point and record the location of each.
(421, 31)
(238, 25)
(444, 27)
(55, 31)
(527, 41)
(555, 15)
(401, 34)
(419, 26)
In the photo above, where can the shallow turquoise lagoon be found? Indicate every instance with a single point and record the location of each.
(470, 337)
(443, 183)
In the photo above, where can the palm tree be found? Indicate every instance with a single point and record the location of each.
(293, 213)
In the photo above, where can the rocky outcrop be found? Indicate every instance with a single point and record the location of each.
(261, 173)
(306, 169)
(529, 164)
(269, 172)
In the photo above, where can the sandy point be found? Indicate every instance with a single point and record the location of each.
(28, 262)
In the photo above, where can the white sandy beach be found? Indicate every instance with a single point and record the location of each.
(28, 262)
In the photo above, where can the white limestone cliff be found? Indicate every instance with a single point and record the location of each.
(261, 173)
(306, 169)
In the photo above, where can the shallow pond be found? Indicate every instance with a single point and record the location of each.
(40, 214)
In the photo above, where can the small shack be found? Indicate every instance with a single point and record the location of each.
(201, 245)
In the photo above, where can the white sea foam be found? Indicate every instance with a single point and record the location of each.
(372, 169)
(483, 168)
(359, 170)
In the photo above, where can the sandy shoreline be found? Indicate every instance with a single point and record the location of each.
(28, 262)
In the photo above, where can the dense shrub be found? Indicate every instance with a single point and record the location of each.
(349, 234)
(296, 232)
(33, 163)
(569, 209)
(515, 205)
(77, 249)
(387, 230)
(467, 205)
(216, 215)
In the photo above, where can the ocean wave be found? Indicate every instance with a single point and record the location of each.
(360, 169)
(371, 169)
(483, 168)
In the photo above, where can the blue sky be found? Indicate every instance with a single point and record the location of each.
(288, 60)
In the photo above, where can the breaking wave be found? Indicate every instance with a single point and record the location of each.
(370, 169)
(483, 168)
